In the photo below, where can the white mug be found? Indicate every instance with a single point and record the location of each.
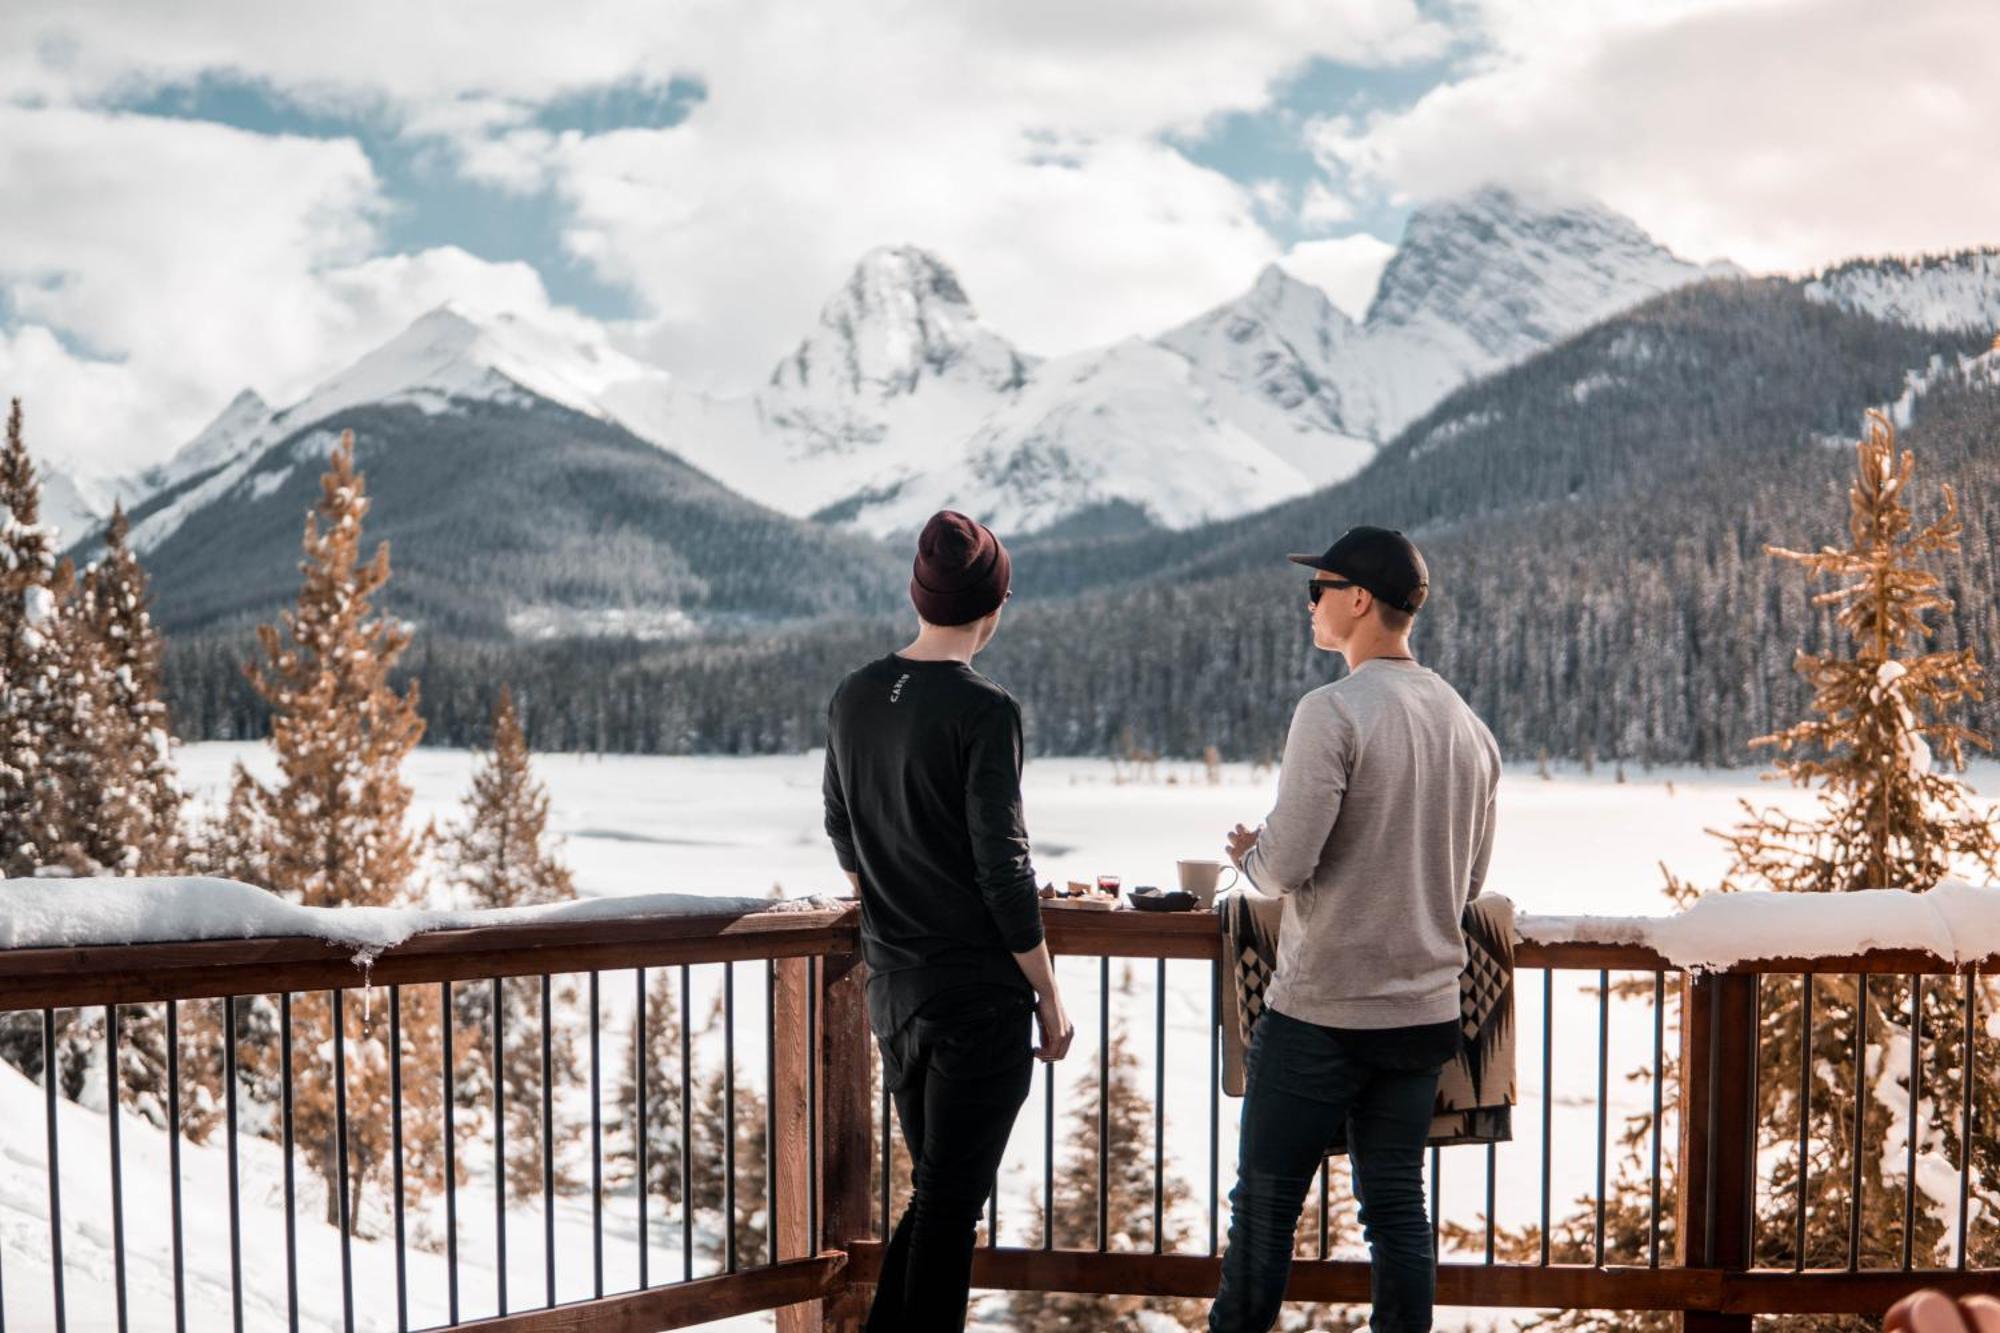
(1199, 878)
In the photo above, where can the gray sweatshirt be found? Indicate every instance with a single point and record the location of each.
(1382, 831)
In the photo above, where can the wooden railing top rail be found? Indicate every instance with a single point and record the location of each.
(132, 973)
(34, 978)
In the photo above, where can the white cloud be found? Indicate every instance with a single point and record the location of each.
(1322, 207)
(1783, 134)
(181, 254)
(181, 262)
(1022, 141)
(1346, 268)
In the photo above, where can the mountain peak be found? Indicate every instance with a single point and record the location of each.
(1518, 268)
(901, 317)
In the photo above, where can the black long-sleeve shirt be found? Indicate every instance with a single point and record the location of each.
(923, 802)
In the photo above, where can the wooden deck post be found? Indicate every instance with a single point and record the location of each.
(791, 1114)
(847, 1128)
(1718, 1151)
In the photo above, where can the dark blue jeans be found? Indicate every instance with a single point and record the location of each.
(1305, 1083)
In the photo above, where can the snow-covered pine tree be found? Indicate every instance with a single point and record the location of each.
(499, 855)
(1889, 818)
(335, 832)
(29, 693)
(71, 789)
(1129, 1206)
(137, 827)
(33, 702)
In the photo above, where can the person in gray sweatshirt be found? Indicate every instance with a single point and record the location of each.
(1382, 831)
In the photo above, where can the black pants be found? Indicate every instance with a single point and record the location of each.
(958, 1073)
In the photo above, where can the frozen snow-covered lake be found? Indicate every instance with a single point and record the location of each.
(1574, 844)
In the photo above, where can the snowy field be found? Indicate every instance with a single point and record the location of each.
(1575, 844)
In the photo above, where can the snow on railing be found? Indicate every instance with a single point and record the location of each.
(1955, 921)
(68, 913)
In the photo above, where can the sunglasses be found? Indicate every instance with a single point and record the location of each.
(1318, 586)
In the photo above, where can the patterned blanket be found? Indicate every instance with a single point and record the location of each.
(1475, 1102)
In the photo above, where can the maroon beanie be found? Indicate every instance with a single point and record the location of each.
(962, 572)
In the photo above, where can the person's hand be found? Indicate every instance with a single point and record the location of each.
(1054, 1025)
(1241, 840)
(1933, 1312)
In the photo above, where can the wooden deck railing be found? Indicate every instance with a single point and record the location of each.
(824, 1202)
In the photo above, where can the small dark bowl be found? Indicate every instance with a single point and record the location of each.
(1163, 900)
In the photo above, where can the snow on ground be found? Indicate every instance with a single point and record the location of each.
(1575, 845)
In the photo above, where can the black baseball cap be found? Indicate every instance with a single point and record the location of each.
(1381, 560)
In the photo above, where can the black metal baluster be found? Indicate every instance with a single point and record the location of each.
(285, 1111)
(1916, 1082)
(1104, 1104)
(1805, 1112)
(1048, 1156)
(51, 1075)
(596, 1149)
(499, 1072)
(770, 1111)
(1548, 1096)
(1437, 1194)
(1659, 1080)
(687, 1132)
(1159, 1105)
(1603, 1103)
(235, 1188)
(450, 1155)
(549, 1145)
(117, 1165)
(340, 1159)
(639, 1061)
(1965, 1092)
(1214, 1106)
(174, 1161)
(396, 1151)
(729, 1116)
(1860, 1119)
(1491, 1201)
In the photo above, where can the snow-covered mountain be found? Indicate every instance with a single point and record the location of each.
(1484, 280)
(1127, 426)
(901, 399)
(75, 507)
(1268, 361)
(1943, 292)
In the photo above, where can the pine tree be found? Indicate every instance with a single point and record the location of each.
(34, 707)
(71, 789)
(334, 833)
(1888, 819)
(712, 1133)
(136, 827)
(1129, 1202)
(29, 670)
(499, 856)
(659, 1060)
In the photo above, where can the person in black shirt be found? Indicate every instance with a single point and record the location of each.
(923, 806)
